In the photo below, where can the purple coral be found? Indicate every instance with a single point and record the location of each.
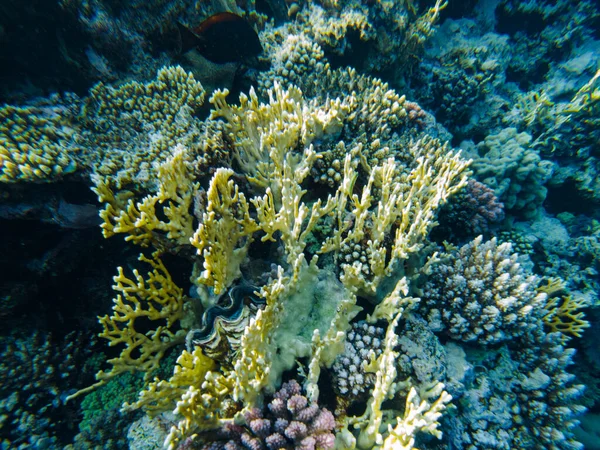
(472, 210)
(289, 421)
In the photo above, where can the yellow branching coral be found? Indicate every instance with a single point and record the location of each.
(405, 211)
(224, 233)
(292, 218)
(308, 307)
(265, 135)
(377, 430)
(155, 298)
(553, 286)
(562, 312)
(140, 220)
(34, 147)
(160, 396)
(419, 415)
(563, 315)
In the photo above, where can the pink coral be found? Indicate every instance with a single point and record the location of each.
(287, 422)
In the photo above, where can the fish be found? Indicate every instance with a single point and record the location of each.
(222, 38)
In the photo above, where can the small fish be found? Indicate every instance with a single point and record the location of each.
(222, 38)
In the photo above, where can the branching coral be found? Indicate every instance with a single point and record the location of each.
(155, 298)
(394, 31)
(35, 145)
(404, 213)
(422, 413)
(156, 218)
(564, 314)
(482, 293)
(225, 232)
(136, 125)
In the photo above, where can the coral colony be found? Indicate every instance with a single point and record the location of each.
(326, 259)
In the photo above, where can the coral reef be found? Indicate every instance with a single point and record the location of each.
(293, 292)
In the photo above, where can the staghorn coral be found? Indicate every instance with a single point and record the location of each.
(289, 420)
(421, 409)
(379, 122)
(407, 203)
(481, 293)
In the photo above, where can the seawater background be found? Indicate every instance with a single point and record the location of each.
(496, 75)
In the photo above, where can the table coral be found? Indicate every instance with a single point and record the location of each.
(135, 125)
(36, 144)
